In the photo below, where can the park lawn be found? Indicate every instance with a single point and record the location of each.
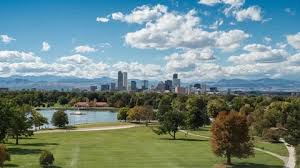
(102, 124)
(277, 148)
(133, 148)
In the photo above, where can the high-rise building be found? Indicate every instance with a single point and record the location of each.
(168, 85)
(133, 86)
(176, 81)
(105, 87)
(125, 81)
(120, 80)
(161, 86)
(145, 84)
(112, 86)
(175, 76)
(93, 88)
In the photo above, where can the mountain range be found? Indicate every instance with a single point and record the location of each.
(58, 82)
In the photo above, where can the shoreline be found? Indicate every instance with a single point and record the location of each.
(76, 108)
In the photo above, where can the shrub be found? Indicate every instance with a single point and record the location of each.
(272, 134)
(4, 155)
(46, 158)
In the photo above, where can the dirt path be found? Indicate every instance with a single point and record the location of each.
(289, 162)
(103, 128)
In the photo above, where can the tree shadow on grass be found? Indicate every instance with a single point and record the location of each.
(11, 165)
(252, 165)
(184, 139)
(39, 144)
(22, 151)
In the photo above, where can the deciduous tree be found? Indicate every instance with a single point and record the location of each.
(196, 112)
(4, 155)
(230, 136)
(60, 119)
(123, 113)
(170, 123)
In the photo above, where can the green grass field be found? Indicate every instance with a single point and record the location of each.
(135, 147)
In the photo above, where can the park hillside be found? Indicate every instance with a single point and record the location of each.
(154, 130)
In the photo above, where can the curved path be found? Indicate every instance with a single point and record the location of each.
(289, 162)
(103, 128)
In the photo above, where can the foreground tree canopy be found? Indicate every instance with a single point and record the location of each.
(230, 136)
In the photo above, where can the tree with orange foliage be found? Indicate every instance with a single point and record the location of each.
(230, 136)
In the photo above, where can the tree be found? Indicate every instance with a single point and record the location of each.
(4, 155)
(141, 113)
(37, 119)
(273, 134)
(60, 119)
(179, 103)
(246, 109)
(123, 113)
(171, 123)
(165, 105)
(46, 159)
(20, 123)
(293, 125)
(6, 111)
(63, 100)
(196, 112)
(215, 106)
(230, 136)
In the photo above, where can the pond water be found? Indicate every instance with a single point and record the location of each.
(90, 116)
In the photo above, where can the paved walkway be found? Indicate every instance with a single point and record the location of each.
(289, 162)
(103, 128)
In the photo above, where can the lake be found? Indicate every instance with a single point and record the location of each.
(91, 116)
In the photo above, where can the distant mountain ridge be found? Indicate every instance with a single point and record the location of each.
(264, 82)
(49, 82)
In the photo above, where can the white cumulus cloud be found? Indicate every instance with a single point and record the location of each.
(46, 46)
(6, 39)
(252, 13)
(85, 49)
(141, 14)
(102, 19)
(294, 40)
(258, 53)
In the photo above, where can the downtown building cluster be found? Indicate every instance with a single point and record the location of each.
(174, 85)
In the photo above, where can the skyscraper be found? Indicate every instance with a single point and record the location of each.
(120, 80)
(176, 81)
(145, 84)
(125, 81)
(133, 86)
(175, 76)
(112, 86)
(168, 85)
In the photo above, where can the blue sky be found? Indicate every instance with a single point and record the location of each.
(199, 39)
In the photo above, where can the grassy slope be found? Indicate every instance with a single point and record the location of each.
(135, 147)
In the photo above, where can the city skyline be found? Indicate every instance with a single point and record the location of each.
(198, 39)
